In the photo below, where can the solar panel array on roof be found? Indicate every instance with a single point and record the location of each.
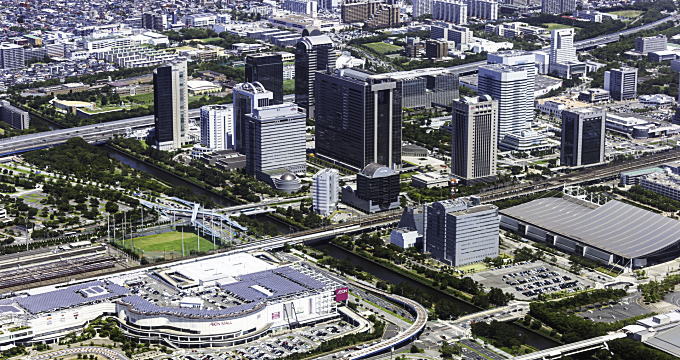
(616, 227)
(9, 309)
(300, 278)
(269, 279)
(93, 291)
(141, 305)
(69, 297)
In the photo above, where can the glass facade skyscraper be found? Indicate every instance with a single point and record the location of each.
(360, 121)
(312, 54)
(267, 69)
(583, 137)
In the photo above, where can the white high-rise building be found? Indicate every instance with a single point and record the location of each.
(11, 56)
(483, 9)
(325, 190)
(621, 83)
(474, 126)
(328, 4)
(461, 231)
(305, 7)
(217, 127)
(422, 7)
(275, 140)
(247, 97)
(450, 11)
(522, 59)
(562, 50)
(512, 87)
(558, 7)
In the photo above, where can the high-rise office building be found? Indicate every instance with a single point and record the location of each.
(247, 97)
(436, 49)
(460, 232)
(562, 48)
(558, 7)
(217, 127)
(621, 83)
(563, 60)
(422, 7)
(329, 5)
(312, 54)
(524, 60)
(473, 144)
(458, 34)
(649, 44)
(275, 141)
(372, 13)
(325, 191)
(512, 87)
(11, 56)
(425, 88)
(583, 137)
(360, 121)
(675, 66)
(304, 7)
(171, 105)
(452, 11)
(377, 189)
(483, 9)
(155, 21)
(267, 69)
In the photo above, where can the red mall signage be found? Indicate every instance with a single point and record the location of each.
(341, 294)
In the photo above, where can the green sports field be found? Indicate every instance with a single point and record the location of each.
(556, 26)
(627, 13)
(383, 48)
(169, 242)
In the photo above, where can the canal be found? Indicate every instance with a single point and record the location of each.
(533, 339)
(164, 176)
(175, 180)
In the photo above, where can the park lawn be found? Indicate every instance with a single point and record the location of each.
(383, 48)
(169, 241)
(473, 268)
(627, 13)
(145, 99)
(556, 26)
(211, 39)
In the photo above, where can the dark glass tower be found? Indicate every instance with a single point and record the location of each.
(583, 137)
(379, 185)
(267, 69)
(359, 121)
(312, 54)
(171, 109)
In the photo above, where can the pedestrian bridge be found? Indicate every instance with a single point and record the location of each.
(558, 352)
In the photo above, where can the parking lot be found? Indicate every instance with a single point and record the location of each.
(275, 347)
(615, 311)
(531, 279)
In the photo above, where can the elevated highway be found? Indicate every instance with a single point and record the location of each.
(405, 336)
(95, 133)
(470, 68)
(98, 133)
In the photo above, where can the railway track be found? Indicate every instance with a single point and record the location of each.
(583, 176)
